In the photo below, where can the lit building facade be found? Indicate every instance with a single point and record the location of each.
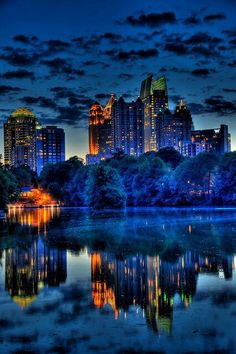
(50, 146)
(100, 132)
(20, 139)
(154, 96)
(213, 140)
(173, 130)
(128, 127)
(96, 121)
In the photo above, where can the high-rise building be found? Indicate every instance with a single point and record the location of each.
(173, 130)
(213, 140)
(50, 146)
(100, 132)
(105, 134)
(154, 96)
(20, 139)
(96, 120)
(128, 126)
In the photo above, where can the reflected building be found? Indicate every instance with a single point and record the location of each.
(151, 283)
(28, 269)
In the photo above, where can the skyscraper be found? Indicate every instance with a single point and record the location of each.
(154, 95)
(128, 126)
(96, 119)
(50, 146)
(105, 134)
(20, 139)
(173, 130)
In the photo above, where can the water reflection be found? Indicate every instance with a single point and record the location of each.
(33, 217)
(140, 277)
(151, 283)
(29, 269)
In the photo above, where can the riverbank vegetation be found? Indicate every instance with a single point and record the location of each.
(164, 178)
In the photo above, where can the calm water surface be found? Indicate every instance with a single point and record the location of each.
(139, 281)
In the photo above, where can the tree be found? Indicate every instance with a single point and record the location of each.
(195, 178)
(25, 176)
(170, 156)
(146, 181)
(9, 188)
(104, 188)
(226, 179)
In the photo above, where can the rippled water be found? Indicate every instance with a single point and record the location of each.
(138, 281)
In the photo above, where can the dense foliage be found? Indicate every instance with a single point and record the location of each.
(9, 188)
(154, 179)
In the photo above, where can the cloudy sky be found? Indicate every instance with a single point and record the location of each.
(58, 56)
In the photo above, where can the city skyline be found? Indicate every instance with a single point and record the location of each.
(59, 69)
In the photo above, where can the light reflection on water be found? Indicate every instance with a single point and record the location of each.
(143, 284)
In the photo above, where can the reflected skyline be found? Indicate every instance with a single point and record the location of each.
(150, 279)
(29, 269)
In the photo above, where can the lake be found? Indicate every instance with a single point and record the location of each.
(133, 281)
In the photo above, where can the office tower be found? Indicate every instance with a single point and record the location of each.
(105, 133)
(50, 146)
(213, 140)
(154, 96)
(173, 130)
(96, 120)
(100, 132)
(20, 139)
(128, 126)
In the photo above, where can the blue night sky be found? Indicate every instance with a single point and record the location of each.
(58, 56)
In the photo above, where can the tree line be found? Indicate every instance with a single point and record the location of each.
(162, 178)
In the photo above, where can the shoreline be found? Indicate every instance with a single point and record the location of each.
(121, 209)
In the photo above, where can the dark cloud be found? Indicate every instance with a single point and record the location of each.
(78, 101)
(55, 46)
(232, 64)
(214, 17)
(229, 90)
(152, 19)
(230, 33)
(19, 74)
(177, 48)
(136, 54)
(202, 38)
(62, 66)
(102, 96)
(192, 20)
(94, 62)
(5, 89)
(125, 76)
(25, 39)
(70, 115)
(207, 52)
(202, 72)
(41, 101)
(196, 108)
(217, 104)
(233, 42)
(19, 56)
